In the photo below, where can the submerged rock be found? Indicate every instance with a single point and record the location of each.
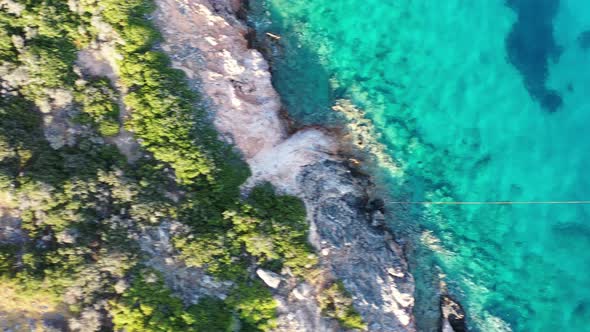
(453, 315)
(584, 40)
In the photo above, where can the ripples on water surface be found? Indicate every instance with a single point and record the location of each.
(477, 100)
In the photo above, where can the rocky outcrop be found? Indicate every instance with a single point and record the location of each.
(364, 257)
(10, 226)
(270, 278)
(206, 41)
(190, 283)
(452, 314)
(298, 309)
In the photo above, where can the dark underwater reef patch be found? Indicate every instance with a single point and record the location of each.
(530, 46)
(584, 40)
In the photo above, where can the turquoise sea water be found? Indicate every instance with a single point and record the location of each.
(477, 101)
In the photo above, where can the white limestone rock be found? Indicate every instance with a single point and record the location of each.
(270, 278)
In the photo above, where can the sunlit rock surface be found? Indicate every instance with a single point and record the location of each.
(206, 41)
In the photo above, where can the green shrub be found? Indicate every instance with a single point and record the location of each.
(108, 127)
(255, 305)
(211, 315)
(7, 50)
(8, 259)
(272, 229)
(336, 302)
(98, 102)
(149, 306)
(214, 252)
(286, 225)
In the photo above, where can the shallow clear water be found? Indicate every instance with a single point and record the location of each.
(477, 101)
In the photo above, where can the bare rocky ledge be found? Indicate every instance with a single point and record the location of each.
(206, 40)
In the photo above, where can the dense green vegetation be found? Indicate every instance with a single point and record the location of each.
(82, 205)
(98, 101)
(149, 306)
(270, 228)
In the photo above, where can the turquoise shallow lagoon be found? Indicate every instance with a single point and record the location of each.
(476, 101)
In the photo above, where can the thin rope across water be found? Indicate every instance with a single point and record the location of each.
(495, 203)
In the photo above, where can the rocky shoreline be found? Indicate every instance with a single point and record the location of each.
(207, 40)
